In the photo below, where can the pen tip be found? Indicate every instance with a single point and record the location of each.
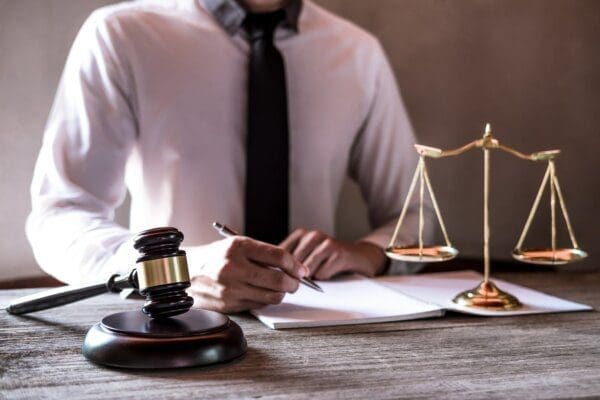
(315, 286)
(217, 225)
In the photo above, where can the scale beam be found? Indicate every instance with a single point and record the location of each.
(487, 142)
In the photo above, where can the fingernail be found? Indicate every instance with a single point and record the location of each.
(304, 271)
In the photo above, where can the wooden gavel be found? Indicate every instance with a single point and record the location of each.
(161, 275)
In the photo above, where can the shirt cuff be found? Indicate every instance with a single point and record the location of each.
(124, 258)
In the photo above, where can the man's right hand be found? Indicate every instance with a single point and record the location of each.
(239, 273)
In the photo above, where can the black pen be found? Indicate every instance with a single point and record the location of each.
(226, 231)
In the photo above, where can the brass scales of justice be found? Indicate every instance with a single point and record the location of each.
(486, 294)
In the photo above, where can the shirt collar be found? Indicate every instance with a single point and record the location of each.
(231, 15)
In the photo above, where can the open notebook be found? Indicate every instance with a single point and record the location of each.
(357, 300)
(344, 301)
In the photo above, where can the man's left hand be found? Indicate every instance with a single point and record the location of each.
(326, 257)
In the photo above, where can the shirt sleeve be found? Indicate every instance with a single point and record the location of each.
(78, 179)
(383, 161)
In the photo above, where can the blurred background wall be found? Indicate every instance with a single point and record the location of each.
(530, 67)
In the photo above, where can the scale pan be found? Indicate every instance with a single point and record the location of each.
(426, 254)
(549, 257)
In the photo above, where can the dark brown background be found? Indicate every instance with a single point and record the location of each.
(530, 67)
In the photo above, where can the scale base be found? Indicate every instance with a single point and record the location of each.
(488, 296)
(133, 340)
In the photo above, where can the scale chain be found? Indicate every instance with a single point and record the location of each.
(436, 207)
(411, 189)
(534, 208)
(552, 209)
(563, 207)
(421, 194)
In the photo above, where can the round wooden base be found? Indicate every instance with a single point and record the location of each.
(133, 340)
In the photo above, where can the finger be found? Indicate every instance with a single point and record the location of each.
(202, 284)
(244, 271)
(290, 243)
(206, 302)
(264, 253)
(332, 267)
(307, 244)
(228, 272)
(202, 290)
(211, 295)
(268, 278)
(261, 296)
(320, 254)
(207, 287)
(236, 294)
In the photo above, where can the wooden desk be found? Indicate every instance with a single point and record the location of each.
(549, 356)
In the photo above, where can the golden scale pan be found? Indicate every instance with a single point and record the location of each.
(486, 294)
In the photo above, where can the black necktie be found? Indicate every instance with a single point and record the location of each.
(267, 142)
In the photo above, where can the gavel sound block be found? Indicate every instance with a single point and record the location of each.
(166, 332)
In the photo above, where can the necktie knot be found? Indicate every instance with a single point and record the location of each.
(262, 25)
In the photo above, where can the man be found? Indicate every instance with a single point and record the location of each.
(250, 113)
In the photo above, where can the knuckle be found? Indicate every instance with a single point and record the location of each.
(226, 294)
(278, 254)
(285, 259)
(293, 285)
(232, 249)
(255, 275)
(314, 234)
(329, 243)
(278, 280)
(334, 256)
(275, 298)
(219, 291)
(236, 244)
(227, 306)
(225, 271)
(229, 266)
(218, 305)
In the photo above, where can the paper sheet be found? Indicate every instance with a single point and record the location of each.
(348, 300)
(440, 288)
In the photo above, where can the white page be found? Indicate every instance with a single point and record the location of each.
(440, 288)
(345, 301)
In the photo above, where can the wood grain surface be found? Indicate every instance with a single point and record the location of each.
(457, 356)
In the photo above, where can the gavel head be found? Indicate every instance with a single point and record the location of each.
(162, 272)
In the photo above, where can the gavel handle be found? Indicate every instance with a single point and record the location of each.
(69, 294)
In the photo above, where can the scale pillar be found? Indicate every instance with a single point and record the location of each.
(487, 294)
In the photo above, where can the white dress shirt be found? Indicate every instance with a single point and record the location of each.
(153, 99)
